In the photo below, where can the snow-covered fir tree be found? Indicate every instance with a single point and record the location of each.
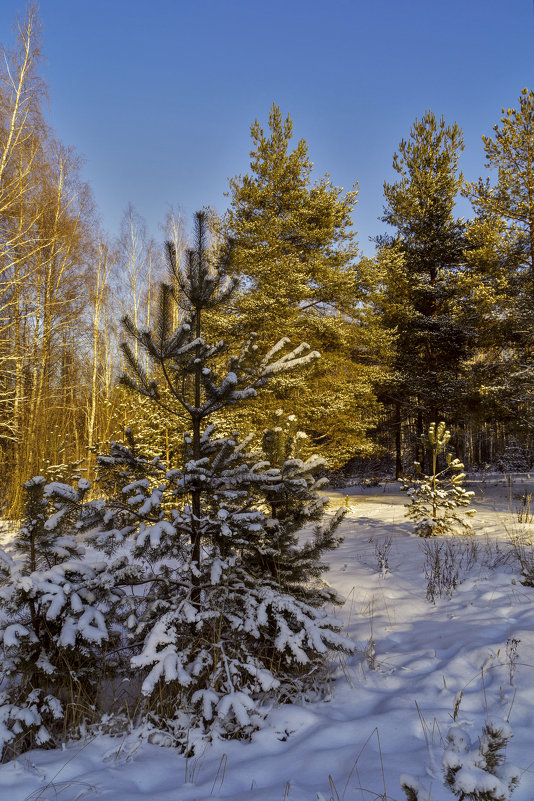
(480, 772)
(54, 603)
(472, 772)
(231, 612)
(436, 499)
(295, 503)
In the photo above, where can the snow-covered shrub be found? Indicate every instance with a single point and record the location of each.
(472, 772)
(480, 773)
(53, 629)
(436, 499)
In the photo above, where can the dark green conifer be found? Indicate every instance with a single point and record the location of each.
(420, 267)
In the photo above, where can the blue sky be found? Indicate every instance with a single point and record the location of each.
(159, 96)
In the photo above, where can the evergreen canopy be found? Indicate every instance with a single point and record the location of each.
(295, 256)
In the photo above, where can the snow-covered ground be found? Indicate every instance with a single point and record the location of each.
(389, 707)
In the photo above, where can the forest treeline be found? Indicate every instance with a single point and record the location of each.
(436, 326)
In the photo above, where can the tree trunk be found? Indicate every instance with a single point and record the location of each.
(398, 441)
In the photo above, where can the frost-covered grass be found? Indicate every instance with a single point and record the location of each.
(420, 669)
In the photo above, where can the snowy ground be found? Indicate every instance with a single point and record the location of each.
(389, 706)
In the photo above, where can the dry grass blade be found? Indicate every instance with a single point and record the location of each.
(354, 769)
(222, 765)
(38, 793)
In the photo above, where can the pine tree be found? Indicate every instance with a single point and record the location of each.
(55, 605)
(480, 773)
(511, 152)
(472, 773)
(294, 253)
(420, 268)
(294, 502)
(502, 271)
(436, 498)
(225, 621)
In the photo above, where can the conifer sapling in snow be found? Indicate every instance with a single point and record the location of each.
(480, 773)
(436, 499)
(54, 603)
(294, 503)
(229, 617)
(472, 772)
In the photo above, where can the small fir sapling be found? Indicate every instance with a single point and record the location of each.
(133, 485)
(225, 621)
(294, 503)
(480, 773)
(67, 473)
(414, 789)
(472, 772)
(437, 498)
(53, 628)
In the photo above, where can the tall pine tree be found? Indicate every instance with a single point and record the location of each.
(510, 151)
(501, 265)
(295, 255)
(420, 267)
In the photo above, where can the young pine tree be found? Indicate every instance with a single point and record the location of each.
(230, 615)
(472, 772)
(294, 502)
(436, 498)
(55, 603)
(480, 773)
